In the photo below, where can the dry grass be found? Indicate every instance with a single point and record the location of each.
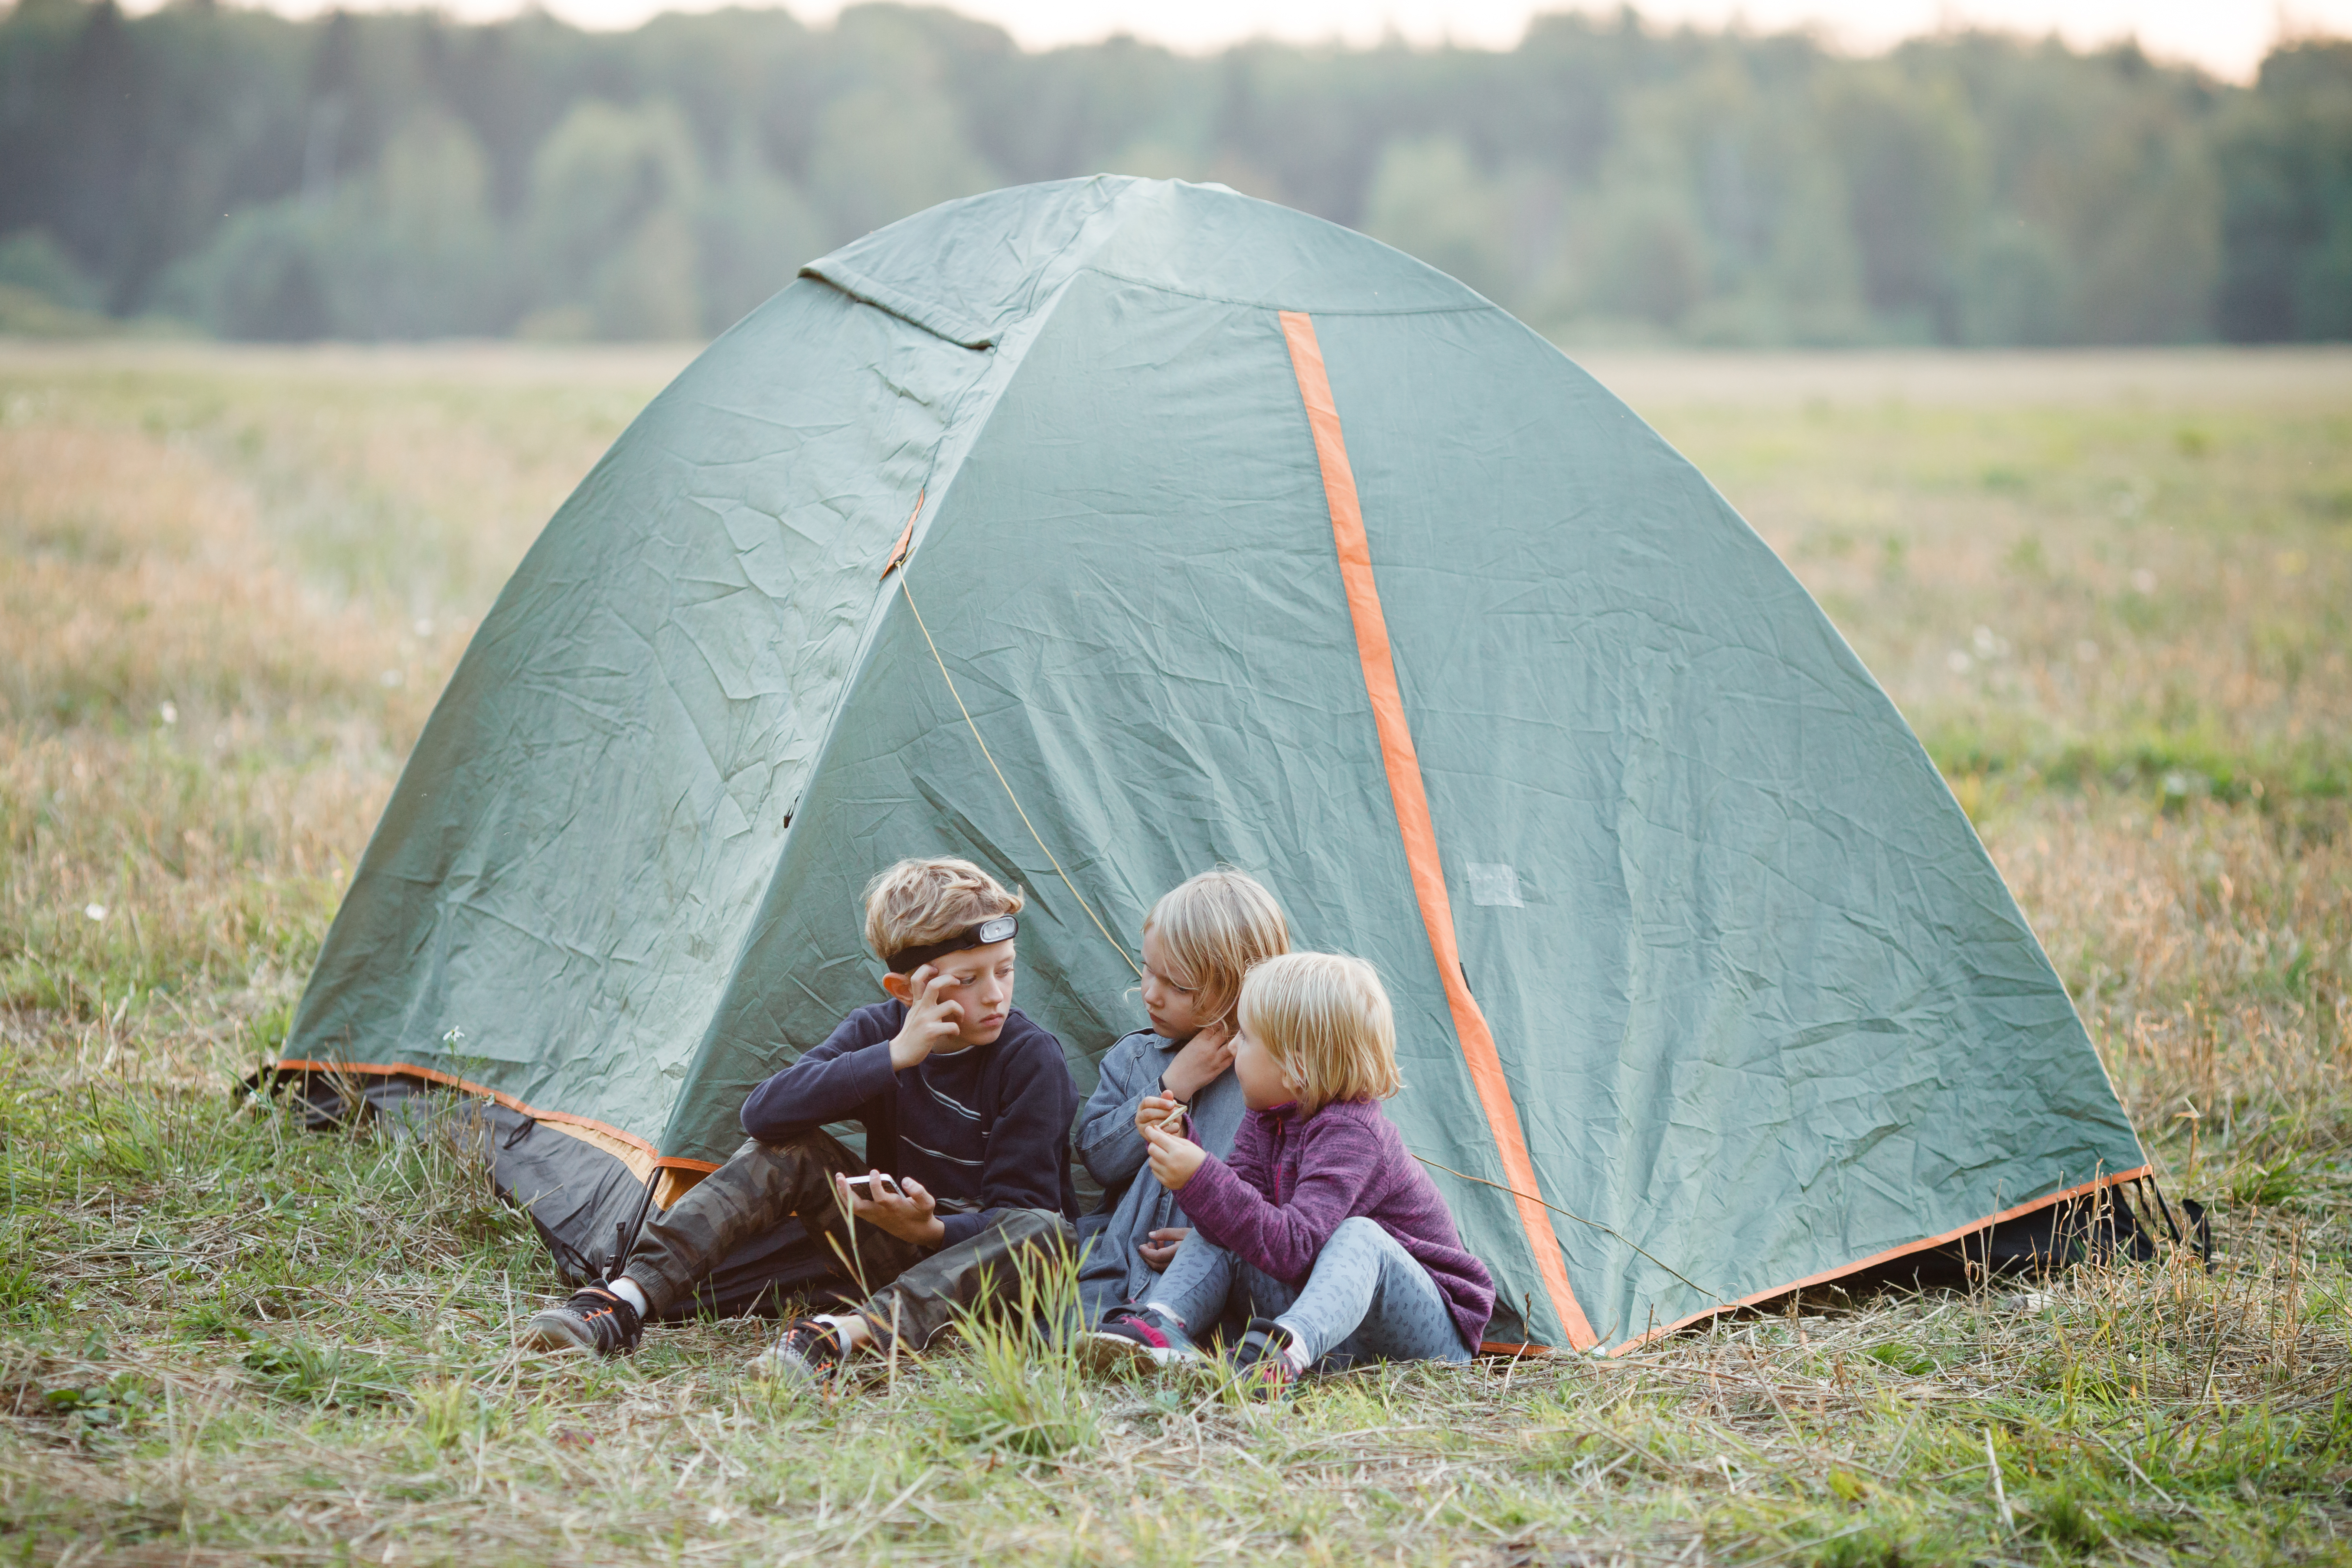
(234, 584)
(224, 1339)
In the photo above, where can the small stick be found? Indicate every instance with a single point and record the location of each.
(887, 1509)
(2135, 1469)
(2000, 1492)
(1817, 1541)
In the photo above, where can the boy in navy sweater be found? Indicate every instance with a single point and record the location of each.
(967, 1108)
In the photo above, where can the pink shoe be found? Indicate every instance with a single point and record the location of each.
(1260, 1365)
(1129, 1338)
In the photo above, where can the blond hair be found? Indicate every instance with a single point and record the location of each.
(922, 900)
(1215, 927)
(1324, 1019)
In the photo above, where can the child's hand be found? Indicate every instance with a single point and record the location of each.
(1203, 1061)
(1161, 1246)
(1173, 1159)
(903, 1209)
(932, 1021)
(1154, 1113)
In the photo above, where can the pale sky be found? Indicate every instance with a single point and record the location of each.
(2228, 38)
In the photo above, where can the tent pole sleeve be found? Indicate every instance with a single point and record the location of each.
(1420, 832)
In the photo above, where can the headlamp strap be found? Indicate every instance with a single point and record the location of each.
(980, 933)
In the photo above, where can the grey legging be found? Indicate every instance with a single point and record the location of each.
(1366, 1298)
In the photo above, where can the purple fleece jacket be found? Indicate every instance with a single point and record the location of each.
(1291, 1180)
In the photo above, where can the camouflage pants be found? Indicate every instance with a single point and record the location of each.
(916, 1291)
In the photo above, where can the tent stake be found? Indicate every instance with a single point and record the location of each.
(2164, 1208)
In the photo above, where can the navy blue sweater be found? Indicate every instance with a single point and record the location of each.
(983, 1128)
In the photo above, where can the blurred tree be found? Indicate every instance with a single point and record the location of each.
(406, 250)
(260, 277)
(2103, 189)
(2285, 157)
(402, 173)
(1914, 183)
(880, 154)
(610, 229)
(509, 83)
(31, 258)
(1646, 256)
(1428, 199)
(752, 232)
(412, 251)
(2018, 286)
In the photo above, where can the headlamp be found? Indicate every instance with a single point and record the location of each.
(984, 933)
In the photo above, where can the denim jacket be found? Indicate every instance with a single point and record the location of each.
(1134, 1204)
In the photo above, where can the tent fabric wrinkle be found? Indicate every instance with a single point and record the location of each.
(1685, 935)
(931, 316)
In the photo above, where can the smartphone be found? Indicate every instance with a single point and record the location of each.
(867, 1181)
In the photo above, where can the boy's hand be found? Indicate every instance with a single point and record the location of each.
(1203, 1061)
(932, 1021)
(1154, 1113)
(1173, 1159)
(1161, 1246)
(903, 1209)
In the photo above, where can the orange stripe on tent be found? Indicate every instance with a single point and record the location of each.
(1403, 767)
(560, 1118)
(1891, 1254)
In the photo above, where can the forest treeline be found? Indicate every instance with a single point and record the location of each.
(401, 176)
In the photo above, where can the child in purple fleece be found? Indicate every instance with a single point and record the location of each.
(1320, 1229)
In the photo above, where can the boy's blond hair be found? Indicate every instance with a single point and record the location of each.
(925, 900)
(1324, 1019)
(1215, 927)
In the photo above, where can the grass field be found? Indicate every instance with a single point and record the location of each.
(2111, 592)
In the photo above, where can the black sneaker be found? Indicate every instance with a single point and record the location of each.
(593, 1319)
(807, 1352)
(1260, 1367)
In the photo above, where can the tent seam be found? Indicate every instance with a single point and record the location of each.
(1007, 356)
(565, 1118)
(1477, 307)
(1890, 1255)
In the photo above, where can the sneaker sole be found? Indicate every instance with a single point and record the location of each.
(1111, 1354)
(550, 1331)
(768, 1367)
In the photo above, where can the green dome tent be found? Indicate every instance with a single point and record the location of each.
(1106, 530)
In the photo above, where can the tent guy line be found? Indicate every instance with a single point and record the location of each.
(1723, 1304)
(984, 751)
